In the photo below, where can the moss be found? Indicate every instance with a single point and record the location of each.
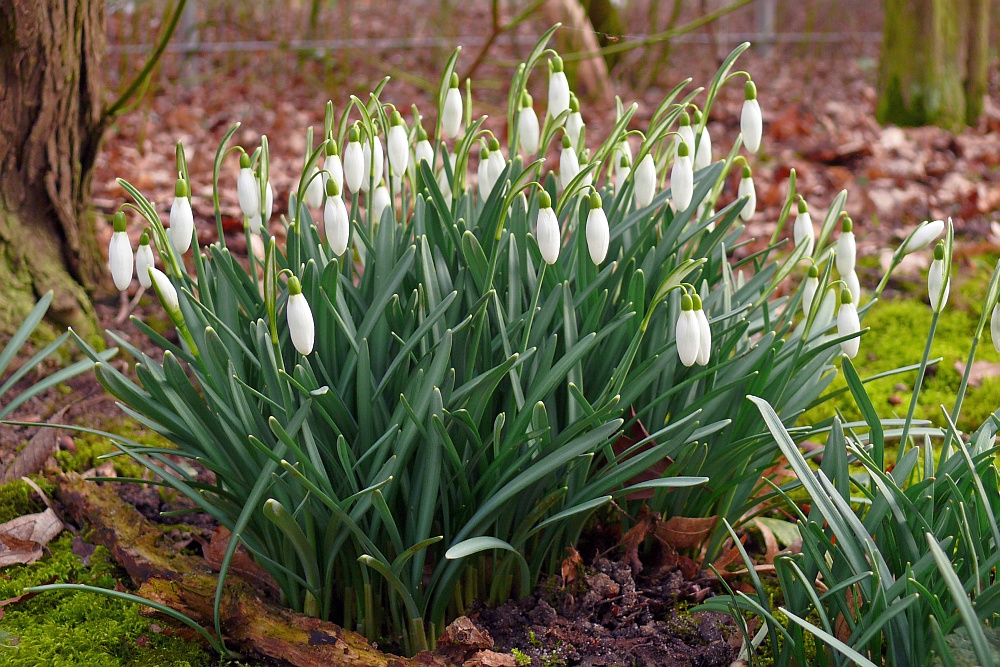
(18, 499)
(521, 658)
(90, 447)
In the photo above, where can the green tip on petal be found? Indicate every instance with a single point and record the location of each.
(294, 286)
(566, 141)
(494, 144)
(939, 251)
(813, 271)
(454, 81)
(331, 147)
(118, 221)
(354, 134)
(685, 119)
(696, 301)
(421, 133)
(845, 296)
(696, 116)
(484, 153)
(396, 118)
(595, 200)
(244, 161)
(687, 303)
(623, 162)
(144, 239)
(526, 100)
(683, 150)
(331, 188)
(574, 103)
(846, 225)
(803, 208)
(747, 173)
(544, 200)
(180, 188)
(557, 64)
(749, 91)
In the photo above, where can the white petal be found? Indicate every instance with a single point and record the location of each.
(485, 182)
(337, 224)
(995, 327)
(747, 188)
(935, 279)
(569, 166)
(248, 192)
(335, 170)
(688, 337)
(704, 338)
(269, 199)
(144, 260)
(120, 259)
(598, 235)
(527, 130)
(424, 151)
(558, 94)
(181, 224)
(687, 134)
(380, 201)
(547, 235)
(354, 166)
(703, 156)
(301, 327)
(808, 294)
(255, 223)
(645, 181)
(165, 288)
(314, 190)
(399, 149)
(846, 253)
(853, 284)
(923, 236)
(574, 126)
(804, 233)
(751, 125)
(621, 175)
(682, 182)
(848, 323)
(497, 164)
(451, 117)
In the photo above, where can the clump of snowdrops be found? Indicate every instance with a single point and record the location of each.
(415, 394)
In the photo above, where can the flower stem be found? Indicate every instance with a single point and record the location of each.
(916, 386)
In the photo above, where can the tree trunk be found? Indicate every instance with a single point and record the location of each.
(934, 62)
(51, 123)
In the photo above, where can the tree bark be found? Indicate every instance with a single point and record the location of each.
(51, 124)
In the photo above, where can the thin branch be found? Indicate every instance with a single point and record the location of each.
(498, 30)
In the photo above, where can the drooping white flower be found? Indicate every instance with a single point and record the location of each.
(747, 189)
(496, 162)
(569, 165)
(332, 166)
(301, 327)
(485, 183)
(372, 160)
(527, 125)
(336, 220)
(682, 179)
(688, 333)
(995, 327)
(354, 161)
(181, 218)
(314, 188)
(399, 145)
(802, 230)
(853, 284)
(622, 171)
(644, 179)
(922, 236)
(937, 288)
(381, 200)
(247, 189)
(703, 156)
(120, 253)
(547, 229)
(144, 260)
(268, 201)
(809, 288)
(574, 122)
(686, 134)
(423, 152)
(558, 88)
(255, 223)
(751, 122)
(847, 248)
(623, 149)
(848, 323)
(704, 333)
(165, 289)
(451, 115)
(598, 234)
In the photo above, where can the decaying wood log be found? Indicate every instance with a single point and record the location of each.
(251, 625)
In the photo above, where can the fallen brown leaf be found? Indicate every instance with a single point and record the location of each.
(570, 566)
(39, 528)
(636, 535)
(683, 532)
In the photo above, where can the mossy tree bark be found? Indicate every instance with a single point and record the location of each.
(51, 123)
(934, 62)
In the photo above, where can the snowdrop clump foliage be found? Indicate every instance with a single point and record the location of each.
(413, 406)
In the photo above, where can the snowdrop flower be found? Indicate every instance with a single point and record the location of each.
(451, 115)
(268, 201)
(802, 230)
(622, 171)
(686, 134)
(444, 184)
(569, 165)
(704, 333)
(848, 323)
(527, 125)
(165, 290)
(372, 160)
(922, 236)
(255, 223)
(423, 152)
(335, 219)
(645, 181)
(809, 288)
(748, 190)
(381, 200)
(497, 164)
(399, 145)
(623, 149)
(314, 188)
(301, 327)
(702, 156)
(144, 260)
(558, 88)
(853, 284)
(354, 160)
(485, 182)
(547, 229)
(937, 289)
(751, 122)
(247, 188)
(120, 253)
(574, 122)
(598, 234)
(181, 218)
(682, 179)
(688, 333)
(995, 327)
(332, 166)
(846, 247)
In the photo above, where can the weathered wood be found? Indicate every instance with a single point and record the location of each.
(250, 624)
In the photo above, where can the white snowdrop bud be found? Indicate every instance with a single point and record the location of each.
(451, 115)
(748, 190)
(255, 223)
(336, 220)
(354, 160)
(381, 200)
(314, 188)
(703, 156)
(181, 218)
(995, 327)
(246, 188)
(847, 247)
(853, 284)
(686, 134)
(423, 152)
(688, 332)
(301, 327)
(120, 253)
(848, 323)
(332, 166)
(496, 163)
(558, 88)
(569, 165)
(372, 160)
(165, 290)
(645, 181)
(751, 122)
(809, 288)
(622, 171)
(922, 236)
(937, 288)
(704, 333)
(547, 229)
(485, 182)
(574, 122)
(144, 260)
(682, 179)
(268, 201)
(802, 230)
(399, 145)
(623, 149)
(527, 125)
(598, 234)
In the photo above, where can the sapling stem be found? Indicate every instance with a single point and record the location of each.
(916, 385)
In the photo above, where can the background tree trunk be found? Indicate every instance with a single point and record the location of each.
(934, 62)
(51, 124)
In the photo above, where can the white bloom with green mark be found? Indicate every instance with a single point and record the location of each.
(558, 88)
(922, 236)
(399, 144)
(301, 327)
(120, 253)
(336, 220)
(247, 189)
(165, 289)
(704, 333)
(144, 260)
(181, 218)
(809, 288)
(938, 289)
(547, 229)
(644, 179)
(574, 122)
(598, 233)
(527, 125)
(682, 179)
(848, 323)
(703, 155)
(569, 164)
(354, 160)
(451, 115)
(747, 189)
(423, 152)
(751, 121)
(381, 200)
(688, 332)
(803, 232)
(332, 166)
(847, 247)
